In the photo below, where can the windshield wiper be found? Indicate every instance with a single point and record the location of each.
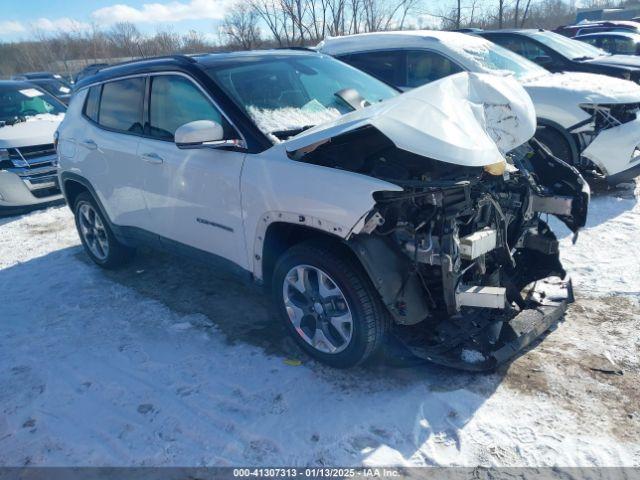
(580, 59)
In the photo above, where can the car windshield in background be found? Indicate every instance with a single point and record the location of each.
(491, 57)
(55, 87)
(568, 48)
(18, 102)
(285, 95)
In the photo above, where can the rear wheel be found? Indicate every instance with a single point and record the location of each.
(556, 143)
(329, 305)
(96, 235)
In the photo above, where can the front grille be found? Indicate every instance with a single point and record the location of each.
(32, 155)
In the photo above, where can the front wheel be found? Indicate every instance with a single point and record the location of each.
(329, 305)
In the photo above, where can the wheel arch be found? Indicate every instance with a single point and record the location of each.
(573, 146)
(73, 185)
(386, 267)
(279, 236)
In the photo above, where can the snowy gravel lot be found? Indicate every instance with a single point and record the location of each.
(168, 363)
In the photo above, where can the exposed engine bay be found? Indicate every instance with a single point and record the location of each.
(462, 258)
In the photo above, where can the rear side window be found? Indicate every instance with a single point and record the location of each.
(121, 105)
(388, 66)
(92, 103)
(175, 101)
(424, 67)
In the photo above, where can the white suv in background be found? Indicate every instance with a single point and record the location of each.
(366, 213)
(583, 118)
(29, 118)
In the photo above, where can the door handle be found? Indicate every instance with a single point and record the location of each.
(152, 158)
(90, 144)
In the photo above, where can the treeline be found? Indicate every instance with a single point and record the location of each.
(266, 23)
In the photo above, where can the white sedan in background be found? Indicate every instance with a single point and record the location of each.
(585, 119)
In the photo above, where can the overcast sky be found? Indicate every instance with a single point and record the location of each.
(19, 18)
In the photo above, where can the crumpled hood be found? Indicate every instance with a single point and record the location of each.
(36, 130)
(583, 88)
(468, 119)
(616, 60)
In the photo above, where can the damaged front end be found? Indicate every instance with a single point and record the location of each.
(461, 256)
(467, 267)
(609, 139)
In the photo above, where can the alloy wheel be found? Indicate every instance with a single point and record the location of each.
(93, 231)
(317, 309)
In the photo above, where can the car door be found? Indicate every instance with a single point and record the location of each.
(111, 141)
(193, 195)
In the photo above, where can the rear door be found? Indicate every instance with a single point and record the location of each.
(115, 110)
(193, 195)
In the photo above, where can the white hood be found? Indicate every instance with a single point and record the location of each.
(37, 130)
(468, 119)
(584, 87)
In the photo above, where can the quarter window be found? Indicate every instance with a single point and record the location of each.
(175, 101)
(121, 105)
(424, 67)
(92, 104)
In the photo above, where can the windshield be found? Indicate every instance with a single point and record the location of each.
(55, 87)
(285, 95)
(490, 57)
(26, 101)
(568, 48)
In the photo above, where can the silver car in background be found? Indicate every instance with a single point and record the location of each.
(29, 118)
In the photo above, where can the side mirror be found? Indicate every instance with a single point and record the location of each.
(543, 60)
(203, 134)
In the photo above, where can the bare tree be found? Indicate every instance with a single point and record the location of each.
(240, 27)
(125, 37)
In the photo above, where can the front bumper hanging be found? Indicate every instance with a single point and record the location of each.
(481, 339)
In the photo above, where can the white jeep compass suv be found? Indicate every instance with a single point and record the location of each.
(368, 214)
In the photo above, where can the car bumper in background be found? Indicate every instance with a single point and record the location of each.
(24, 188)
(616, 151)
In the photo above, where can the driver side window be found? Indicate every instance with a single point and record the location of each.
(174, 101)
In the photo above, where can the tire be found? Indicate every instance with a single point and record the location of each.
(96, 234)
(556, 143)
(328, 309)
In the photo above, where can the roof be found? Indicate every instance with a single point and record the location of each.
(394, 39)
(631, 35)
(15, 83)
(596, 23)
(35, 75)
(522, 31)
(185, 63)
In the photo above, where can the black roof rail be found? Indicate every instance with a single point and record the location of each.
(179, 57)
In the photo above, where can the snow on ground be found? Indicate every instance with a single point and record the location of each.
(168, 363)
